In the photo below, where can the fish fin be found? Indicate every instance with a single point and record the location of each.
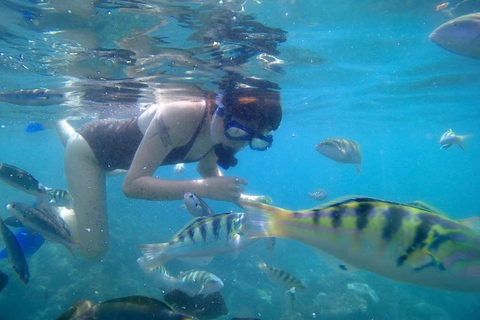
(201, 290)
(188, 225)
(473, 222)
(70, 248)
(262, 220)
(334, 263)
(421, 259)
(424, 206)
(153, 255)
(461, 141)
(340, 200)
(199, 261)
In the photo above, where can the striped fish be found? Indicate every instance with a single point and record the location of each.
(406, 243)
(341, 150)
(281, 277)
(46, 222)
(199, 241)
(59, 198)
(192, 282)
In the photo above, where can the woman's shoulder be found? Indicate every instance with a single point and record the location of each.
(173, 113)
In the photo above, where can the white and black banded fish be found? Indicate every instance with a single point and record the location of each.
(281, 277)
(404, 242)
(45, 222)
(199, 241)
(191, 282)
(59, 198)
(341, 150)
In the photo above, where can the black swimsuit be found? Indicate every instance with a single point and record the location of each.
(114, 142)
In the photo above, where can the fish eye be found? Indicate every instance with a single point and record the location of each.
(454, 24)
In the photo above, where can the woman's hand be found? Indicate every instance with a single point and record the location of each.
(223, 188)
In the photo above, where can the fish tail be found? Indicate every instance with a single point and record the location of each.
(461, 140)
(65, 131)
(262, 220)
(154, 255)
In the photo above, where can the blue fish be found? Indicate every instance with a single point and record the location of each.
(34, 127)
(29, 241)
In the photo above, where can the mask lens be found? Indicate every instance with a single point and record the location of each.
(236, 133)
(261, 143)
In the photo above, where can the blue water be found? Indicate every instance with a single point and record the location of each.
(363, 70)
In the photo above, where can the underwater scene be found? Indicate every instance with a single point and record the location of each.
(361, 203)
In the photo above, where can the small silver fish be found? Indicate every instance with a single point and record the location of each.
(449, 139)
(196, 206)
(199, 241)
(341, 150)
(15, 254)
(33, 97)
(50, 225)
(460, 35)
(318, 195)
(281, 277)
(363, 288)
(59, 198)
(192, 282)
(21, 180)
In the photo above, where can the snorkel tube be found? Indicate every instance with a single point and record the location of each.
(225, 155)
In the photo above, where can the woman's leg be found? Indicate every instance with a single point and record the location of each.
(86, 183)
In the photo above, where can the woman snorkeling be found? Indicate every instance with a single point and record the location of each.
(209, 130)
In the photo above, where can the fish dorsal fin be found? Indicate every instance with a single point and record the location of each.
(190, 224)
(424, 206)
(473, 222)
(342, 200)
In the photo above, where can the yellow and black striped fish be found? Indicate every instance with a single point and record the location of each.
(407, 243)
(281, 277)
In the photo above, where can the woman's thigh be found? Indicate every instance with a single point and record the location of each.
(86, 182)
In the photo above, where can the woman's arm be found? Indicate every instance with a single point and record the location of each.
(168, 129)
(164, 133)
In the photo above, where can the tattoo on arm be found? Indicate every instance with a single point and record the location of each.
(162, 131)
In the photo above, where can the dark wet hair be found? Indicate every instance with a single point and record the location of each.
(255, 104)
